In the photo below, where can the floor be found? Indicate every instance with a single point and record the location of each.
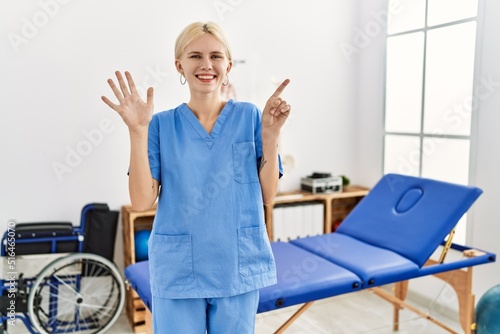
(360, 312)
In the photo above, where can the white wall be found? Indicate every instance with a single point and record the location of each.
(485, 230)
(370, 59)
(56, 56)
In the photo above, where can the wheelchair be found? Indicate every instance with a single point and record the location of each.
(57, 278)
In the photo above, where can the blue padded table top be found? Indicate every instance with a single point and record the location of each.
(305, 277)
(302, 277)
(137, 276)
(408, 215)
(374, 265)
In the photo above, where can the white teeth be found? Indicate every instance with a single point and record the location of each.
(206, 77)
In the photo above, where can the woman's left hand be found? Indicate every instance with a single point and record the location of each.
(276, 111)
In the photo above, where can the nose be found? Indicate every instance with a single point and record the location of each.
(206, 64)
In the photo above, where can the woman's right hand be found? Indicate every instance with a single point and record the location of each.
(132, 109)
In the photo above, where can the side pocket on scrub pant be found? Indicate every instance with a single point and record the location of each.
(172, 260)
(254, 251)
(245, 163)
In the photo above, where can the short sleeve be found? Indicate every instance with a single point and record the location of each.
(154, 149)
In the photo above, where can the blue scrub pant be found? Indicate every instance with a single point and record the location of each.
(235, 314)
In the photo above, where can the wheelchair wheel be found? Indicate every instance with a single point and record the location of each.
(78, 293)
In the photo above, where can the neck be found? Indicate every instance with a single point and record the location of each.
(206, 106)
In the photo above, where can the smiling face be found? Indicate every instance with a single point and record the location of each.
(205, 64)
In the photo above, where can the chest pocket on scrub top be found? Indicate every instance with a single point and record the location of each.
(245, 163)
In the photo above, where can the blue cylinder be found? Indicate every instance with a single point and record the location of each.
(141, 239)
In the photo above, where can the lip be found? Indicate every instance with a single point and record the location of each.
(205, 77)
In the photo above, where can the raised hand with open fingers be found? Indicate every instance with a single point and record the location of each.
(276, 111)
(132, 109)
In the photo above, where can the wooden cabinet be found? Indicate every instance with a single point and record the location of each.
(336, 207)
(134, 221)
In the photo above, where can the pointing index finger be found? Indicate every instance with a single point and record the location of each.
(281, 88)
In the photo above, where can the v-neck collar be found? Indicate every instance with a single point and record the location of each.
(208, 138)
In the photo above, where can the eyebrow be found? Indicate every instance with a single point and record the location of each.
(212, 52)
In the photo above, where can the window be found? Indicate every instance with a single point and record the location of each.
(428, 91)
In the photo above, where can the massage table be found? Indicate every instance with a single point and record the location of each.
(388, 238)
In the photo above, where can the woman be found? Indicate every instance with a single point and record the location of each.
(212, 164)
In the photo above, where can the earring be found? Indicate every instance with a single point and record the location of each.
(180, 79)
(227, 83)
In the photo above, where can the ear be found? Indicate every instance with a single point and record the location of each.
(229, 66)
(178, 66)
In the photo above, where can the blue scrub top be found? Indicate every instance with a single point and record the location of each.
(209, 237)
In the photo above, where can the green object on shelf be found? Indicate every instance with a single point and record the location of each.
(345, 181)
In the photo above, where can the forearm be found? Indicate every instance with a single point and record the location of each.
(143, 189)
(269, 168)
(274, 115)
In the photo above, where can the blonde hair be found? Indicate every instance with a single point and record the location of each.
(197, 29)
